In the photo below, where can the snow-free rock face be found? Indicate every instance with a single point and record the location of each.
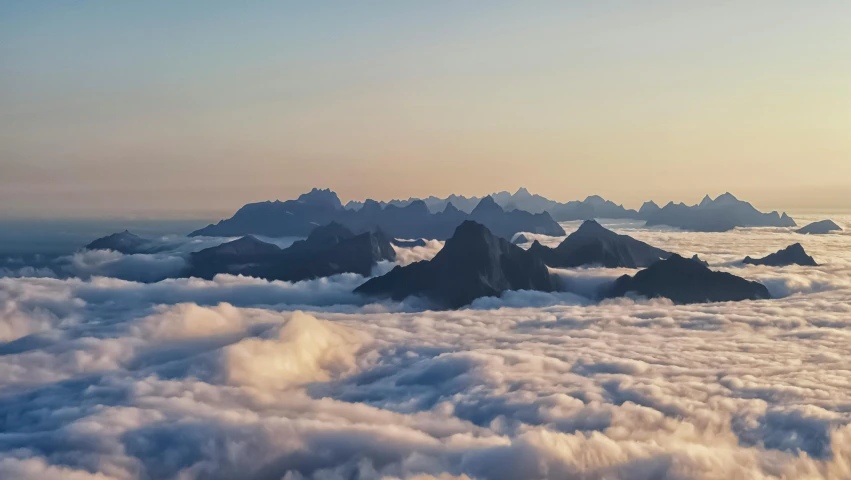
(791, 255)
(474, 263)
(329, 250)
(820, 228)
(685, 281)
(593, 244)
(720, 215)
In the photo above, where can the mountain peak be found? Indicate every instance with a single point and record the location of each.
(325, 197)
(726, 197)
(707, 200)
(594, 200)
(592, 227)
(522, 192)
(487, 205)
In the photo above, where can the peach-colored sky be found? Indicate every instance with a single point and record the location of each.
(115, 109)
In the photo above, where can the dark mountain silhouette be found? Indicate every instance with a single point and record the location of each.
(320, 207)
(474, 263)
(820, 228)
(506, 224)
(328, 250)
(292, 218)
(698, 260)
(589, 209)
(685, 281)
(520, 239)
(411, 221)
(720, 215)
(236, 257)
(522, 199)
(647, 209)
(593, 244)
(791, 255)
(126, 243)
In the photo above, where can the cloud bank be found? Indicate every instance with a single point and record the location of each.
(103, 378)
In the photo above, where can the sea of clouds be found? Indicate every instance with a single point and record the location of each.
(131, 378)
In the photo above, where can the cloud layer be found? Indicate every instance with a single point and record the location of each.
(103, 378)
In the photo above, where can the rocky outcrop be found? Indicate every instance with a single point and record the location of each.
(686, 281)
(474, 263)
(593, 244)
(791, 255)
(820, 228)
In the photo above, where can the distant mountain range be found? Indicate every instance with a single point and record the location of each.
(320, 207)
(721, 214)
(505, 214)
(592, 207)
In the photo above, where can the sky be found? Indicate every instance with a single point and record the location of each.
(195, 108)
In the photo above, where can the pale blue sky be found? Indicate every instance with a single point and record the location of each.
(114, 108)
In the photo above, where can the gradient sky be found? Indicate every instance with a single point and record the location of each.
(190, 108)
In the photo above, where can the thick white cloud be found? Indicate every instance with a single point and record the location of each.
(111, 379)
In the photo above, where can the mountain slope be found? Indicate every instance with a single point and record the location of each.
(592, 244)
(474, 263)
(686, 281)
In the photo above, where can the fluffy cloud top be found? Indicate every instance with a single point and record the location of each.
(112, 379)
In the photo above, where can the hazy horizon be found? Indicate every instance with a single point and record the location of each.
(112, 109)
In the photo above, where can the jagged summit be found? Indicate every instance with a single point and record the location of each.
(325, 197)
(473, 263)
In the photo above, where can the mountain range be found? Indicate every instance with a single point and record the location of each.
(320, 207)
(711, 215)
(722, 214)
